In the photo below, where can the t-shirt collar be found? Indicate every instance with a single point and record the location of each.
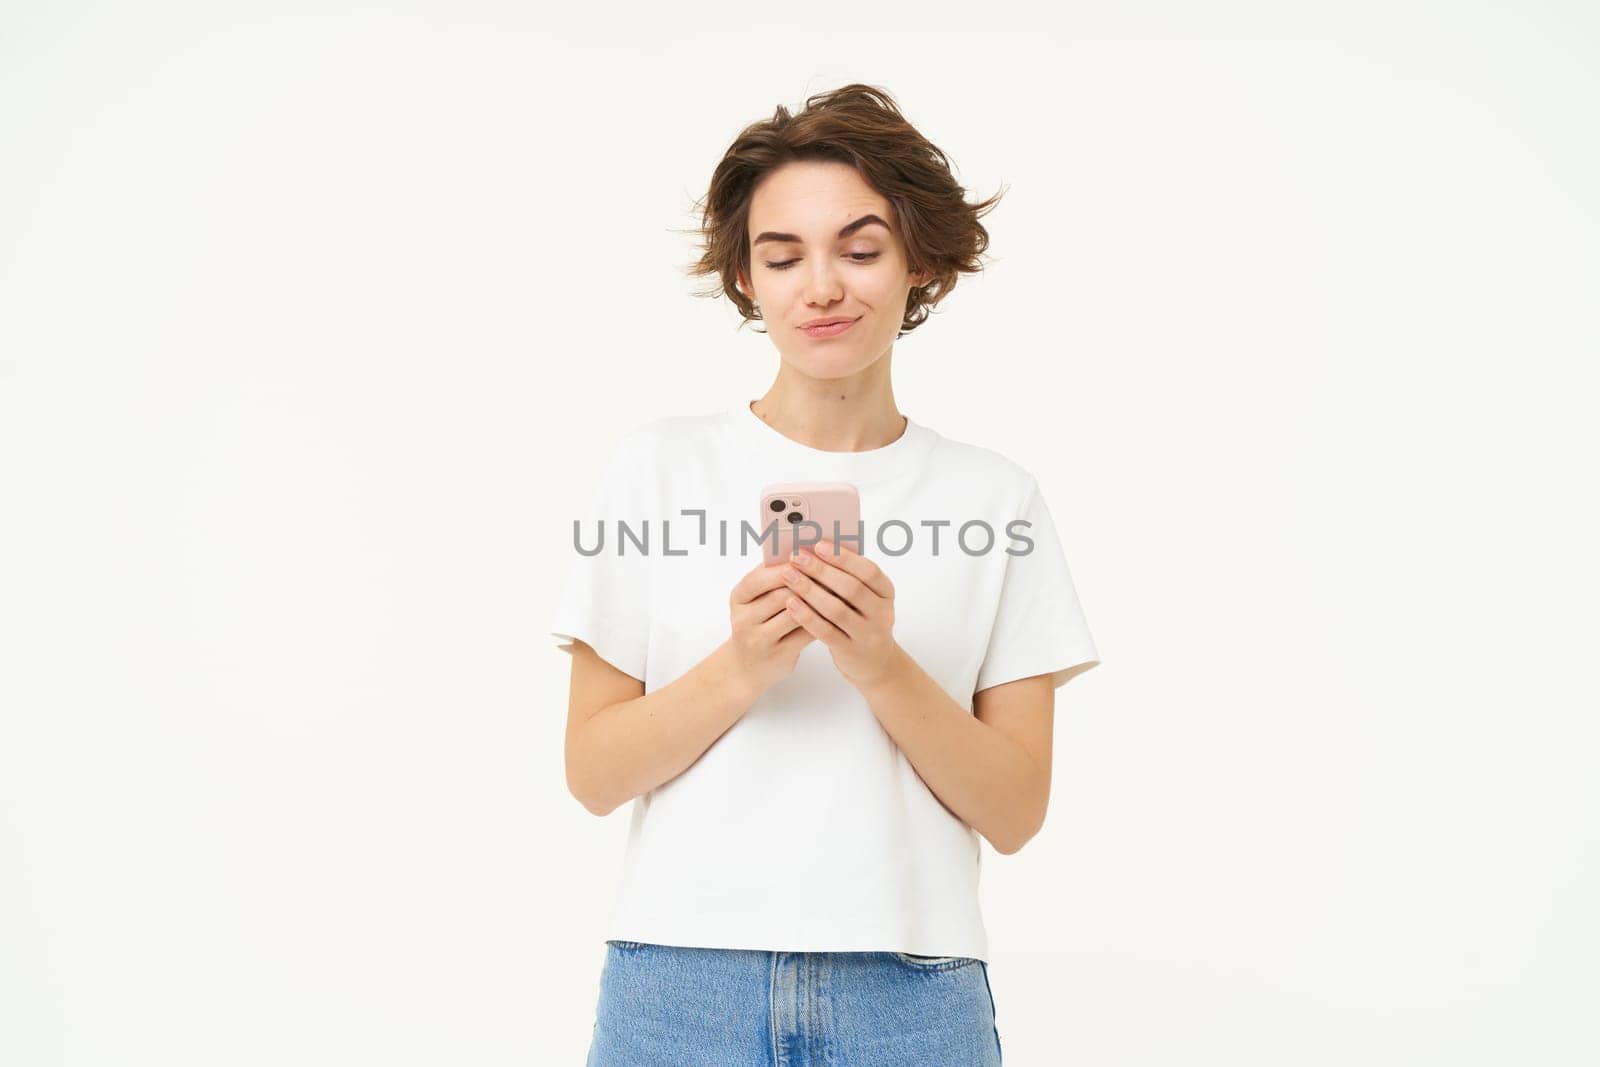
(795, 461)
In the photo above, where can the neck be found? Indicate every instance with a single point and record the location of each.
(834, 416)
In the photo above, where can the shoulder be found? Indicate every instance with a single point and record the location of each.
(648, 443)
(966, 463)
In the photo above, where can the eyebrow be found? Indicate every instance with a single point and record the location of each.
(789, 238)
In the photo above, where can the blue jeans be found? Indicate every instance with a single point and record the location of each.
(668, 1006)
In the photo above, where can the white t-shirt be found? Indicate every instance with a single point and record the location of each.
(804, 828)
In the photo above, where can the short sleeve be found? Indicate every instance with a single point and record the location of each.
(1039, 627)
(605, 601)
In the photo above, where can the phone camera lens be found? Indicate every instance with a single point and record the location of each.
(794, 516)
(777, 505)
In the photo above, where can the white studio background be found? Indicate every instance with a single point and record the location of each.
(317, 322)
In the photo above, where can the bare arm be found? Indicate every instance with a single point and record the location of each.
(623, 742)
(990, 767)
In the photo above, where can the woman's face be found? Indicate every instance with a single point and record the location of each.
(803, 268)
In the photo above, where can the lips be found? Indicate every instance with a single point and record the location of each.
(829, 329)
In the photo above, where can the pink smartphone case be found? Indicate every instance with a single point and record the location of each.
(819, 502)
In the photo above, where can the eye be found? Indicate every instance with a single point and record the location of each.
(856, 257)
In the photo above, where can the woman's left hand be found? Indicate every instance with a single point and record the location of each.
(846, 602)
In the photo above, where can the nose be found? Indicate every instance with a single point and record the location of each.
(822, 282)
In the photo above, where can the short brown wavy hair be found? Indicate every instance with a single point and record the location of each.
(862, 126)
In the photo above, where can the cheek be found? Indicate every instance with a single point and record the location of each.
(887, 290)
(877, 282)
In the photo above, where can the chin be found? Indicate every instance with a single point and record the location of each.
(825, 369)
(832, 361)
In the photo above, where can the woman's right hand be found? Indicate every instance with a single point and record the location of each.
(766, 640)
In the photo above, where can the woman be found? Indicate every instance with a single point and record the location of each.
(813, 749)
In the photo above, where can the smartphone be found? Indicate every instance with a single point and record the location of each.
(792, 507)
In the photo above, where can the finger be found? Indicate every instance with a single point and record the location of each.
(777, 627)
(830, 607)
(761, 608)
(755, 582)
(800, 636)
(844, 585)
(864, 570)
(815, 624)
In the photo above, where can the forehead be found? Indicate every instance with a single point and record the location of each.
(813, 197)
